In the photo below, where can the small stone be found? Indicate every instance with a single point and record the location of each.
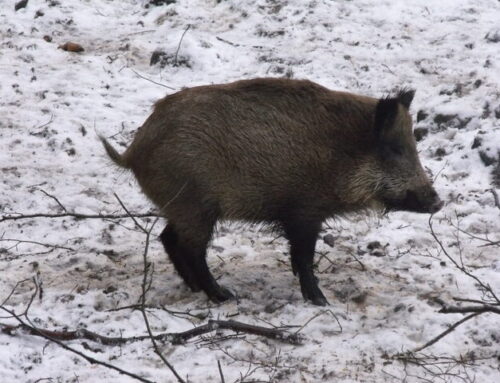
(47, 38)
(21, 4)
(493, 36)
(444, 118)
(376, 249)
(156, 57)
(420, 133)
(477, 142)
(377, 253)
(109, 289)
(399, 307)
(422, 115)
(374, 245)
(360, 298)
(440, 152)
(487, 159)
(329, 239)
(495, 174)
(218, 249)
(497, 112)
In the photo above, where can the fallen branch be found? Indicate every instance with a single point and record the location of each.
(76, 215)
(483, 308)
(212, 325)
(173, 338)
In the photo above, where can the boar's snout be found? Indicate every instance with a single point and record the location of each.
(422, 199)
(425, 200)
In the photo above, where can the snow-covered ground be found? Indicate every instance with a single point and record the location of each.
(54, 102)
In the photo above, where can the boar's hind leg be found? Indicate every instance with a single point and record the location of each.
(192, 238)
(302, 238)
(169, 240)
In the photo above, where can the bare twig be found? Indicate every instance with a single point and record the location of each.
(227, 41)
(444, 333)
(495, 197)
(318, 315)
(220, 372)
(148, 79)
(458, 299)
(14, 290)
(18, 241)
(179, 45)
(54, 198)
(486, 287)
(47, 123)
(483, 308)
(389, 69)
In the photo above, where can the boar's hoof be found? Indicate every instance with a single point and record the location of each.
(219, 294)
(319, 301)
(315, 296)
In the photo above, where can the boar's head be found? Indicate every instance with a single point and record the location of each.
(401, 181)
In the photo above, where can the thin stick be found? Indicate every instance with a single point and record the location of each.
(148, 79)
(220, 372)
(34, 243)
(444, 333)
(495, 197)
(179, 45)
(317, 315)
(54, 198)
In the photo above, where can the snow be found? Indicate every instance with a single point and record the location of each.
(53, 103)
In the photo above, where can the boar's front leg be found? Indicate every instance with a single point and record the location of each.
(302, 237)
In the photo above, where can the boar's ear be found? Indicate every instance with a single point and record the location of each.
(385, 116)
(405, 97)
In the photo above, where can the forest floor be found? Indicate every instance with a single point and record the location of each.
(385, 276)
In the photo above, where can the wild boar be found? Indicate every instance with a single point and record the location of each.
(290, 153)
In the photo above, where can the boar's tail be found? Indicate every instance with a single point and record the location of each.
(117, 158)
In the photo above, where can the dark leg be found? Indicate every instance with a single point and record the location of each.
(302, 238)
(186, 242)
(169, 240)
(195, 255)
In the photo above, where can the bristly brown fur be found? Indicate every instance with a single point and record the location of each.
(289, 153)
